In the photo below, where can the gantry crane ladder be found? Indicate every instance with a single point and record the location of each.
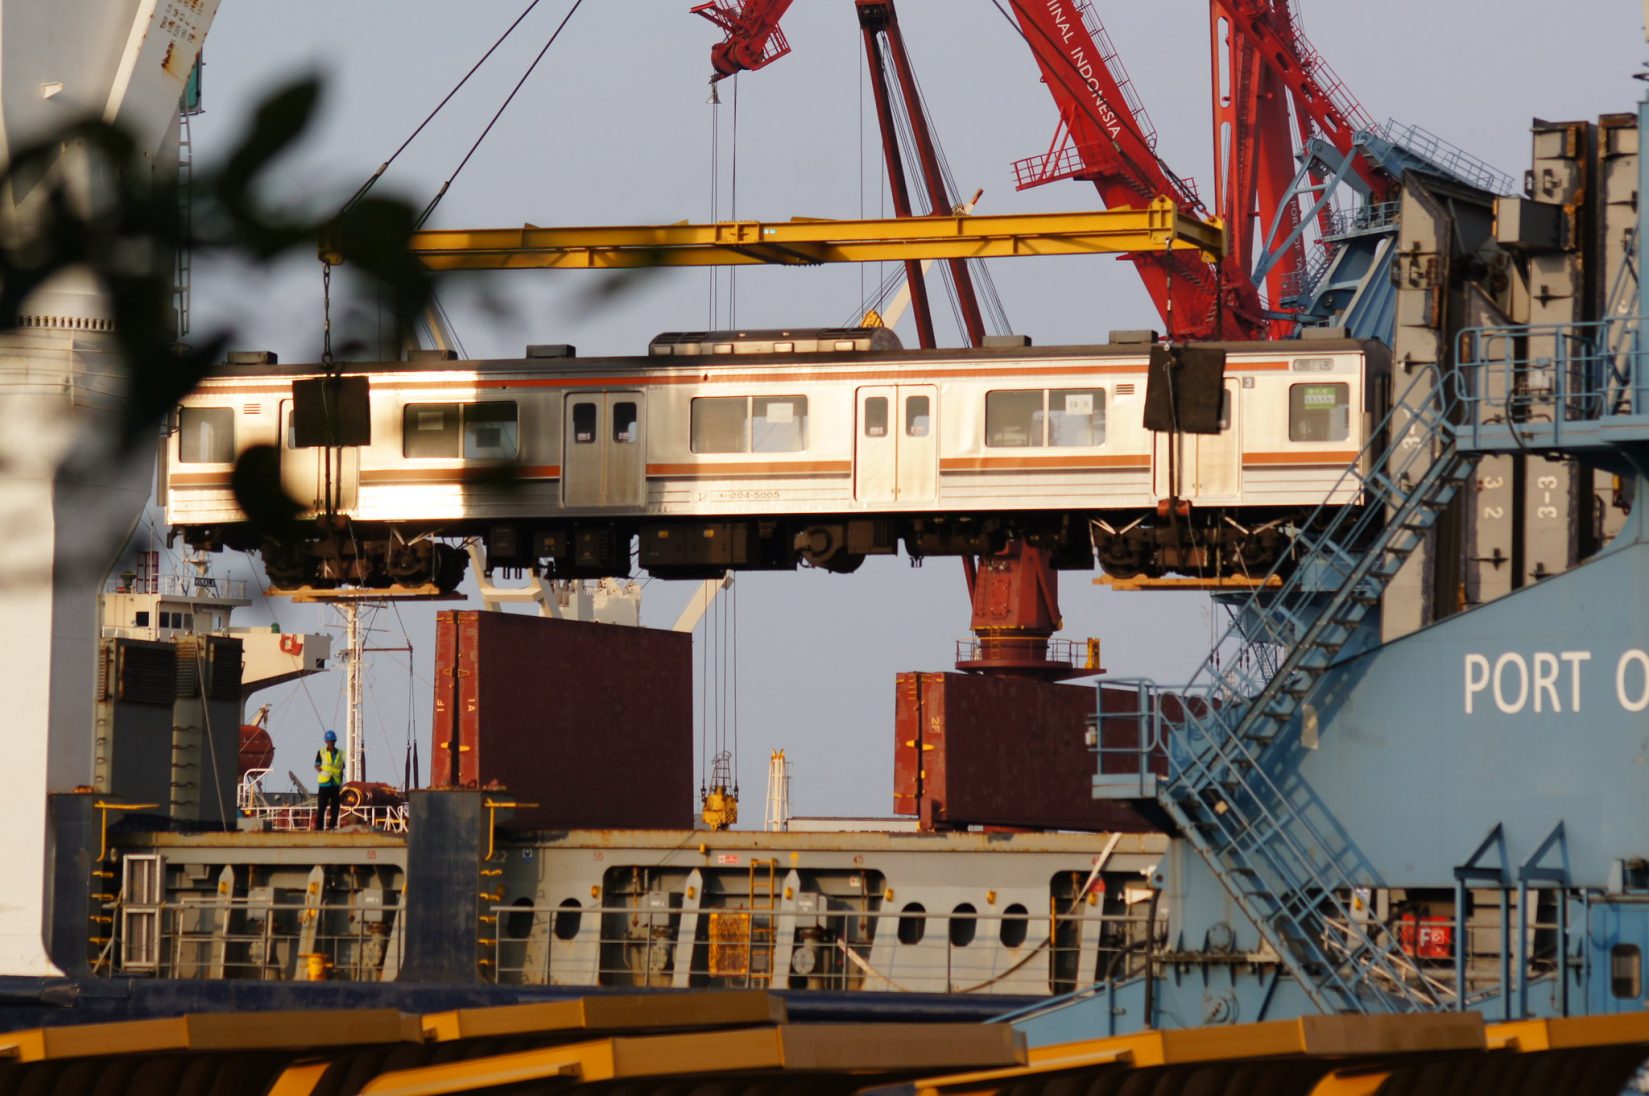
(1289, 873)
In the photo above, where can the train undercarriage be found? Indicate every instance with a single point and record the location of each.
(429, 558)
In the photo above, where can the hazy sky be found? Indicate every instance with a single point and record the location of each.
(613, 128)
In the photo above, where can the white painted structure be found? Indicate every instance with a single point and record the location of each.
(65, 503)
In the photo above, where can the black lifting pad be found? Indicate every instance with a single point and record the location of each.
(331, 411)
(1184, 390)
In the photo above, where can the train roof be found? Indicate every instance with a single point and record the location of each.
(565, 360)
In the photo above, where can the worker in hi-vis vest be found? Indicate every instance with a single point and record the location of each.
(329, 780)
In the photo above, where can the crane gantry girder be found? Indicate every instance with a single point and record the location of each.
(1158, 227)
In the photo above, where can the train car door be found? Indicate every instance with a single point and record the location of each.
(895, 450)
(1210, 465)
(603, 460)
(303, 475)
(1219, 456)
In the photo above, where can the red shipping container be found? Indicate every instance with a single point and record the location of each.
(592, 722)
(1003, 751)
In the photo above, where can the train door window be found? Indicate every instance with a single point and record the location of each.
(876, 416)
(1225, 409)
(719, 424)
(1076, 416)
(1012, 419)
(491, 430)
(206, 435)
(778, 424)
(624, 422)
(1319, 412)
(1626, 971)
(918, 416)
(430, 430)
(584, 426)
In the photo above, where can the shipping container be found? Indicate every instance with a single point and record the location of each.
(591, 722)
(981, 750)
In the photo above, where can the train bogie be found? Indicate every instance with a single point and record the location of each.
(701, 459)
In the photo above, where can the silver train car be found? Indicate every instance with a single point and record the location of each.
(766, 450)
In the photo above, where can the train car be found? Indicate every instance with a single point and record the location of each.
(771, 449)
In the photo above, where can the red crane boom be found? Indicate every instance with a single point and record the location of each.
(1105, 136)
(753, 40)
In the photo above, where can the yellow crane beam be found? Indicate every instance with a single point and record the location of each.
(807, 242)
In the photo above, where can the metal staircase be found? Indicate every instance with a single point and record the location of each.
(1260, 831)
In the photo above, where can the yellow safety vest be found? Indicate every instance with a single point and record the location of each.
(332, 767)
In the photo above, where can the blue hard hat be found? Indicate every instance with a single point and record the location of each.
(330, 736)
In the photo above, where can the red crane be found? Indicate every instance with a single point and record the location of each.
(1272, 94)
(1262, 64)
(753, 40)
(1105, 136)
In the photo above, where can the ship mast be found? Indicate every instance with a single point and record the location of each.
(354, 736)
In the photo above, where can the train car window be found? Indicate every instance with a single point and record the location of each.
(1626, 971)
(1076, 416)
(625, 417)
(1319, 412)
(876, 416)
(918, 417)
(490, 430)
(584, 416)
(206, 435)
(430, 430)
(720, 424)
(778, 424)
(1012, 419)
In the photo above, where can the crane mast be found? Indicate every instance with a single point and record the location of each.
(1262, 65)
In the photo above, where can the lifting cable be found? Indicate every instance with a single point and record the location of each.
(991, 302)
(985, 285)
(715, 196)
(430, 117)
(704, 696)
(508, 99)
(714, 306)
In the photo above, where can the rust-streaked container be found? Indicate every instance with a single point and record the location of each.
(1002, 751)
(593, 722)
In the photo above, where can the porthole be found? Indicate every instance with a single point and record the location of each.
(1015, 923)
(518, 922)
(567, 919)
(913, 923)
(963, 925)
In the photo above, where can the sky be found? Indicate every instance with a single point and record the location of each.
(613, 127)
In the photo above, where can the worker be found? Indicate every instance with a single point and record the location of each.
(329, 782)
